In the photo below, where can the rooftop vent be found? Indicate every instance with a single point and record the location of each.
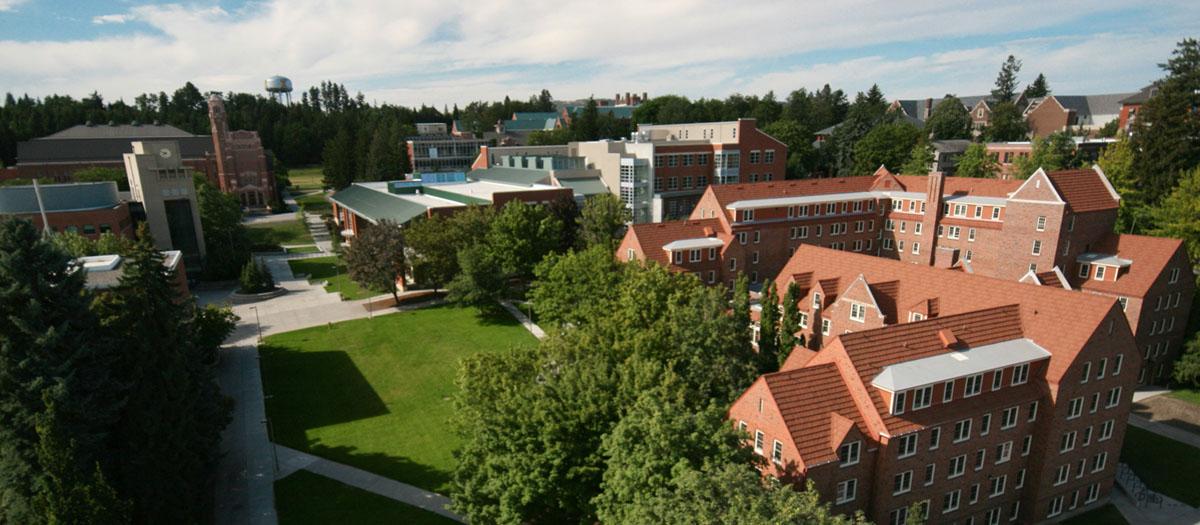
(949, 340)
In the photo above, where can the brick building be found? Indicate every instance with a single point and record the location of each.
(86, 208)
(1131, 105)
(57, 156)
(1083, 113)
(982, 400)
(242, 168)
(1052, 223)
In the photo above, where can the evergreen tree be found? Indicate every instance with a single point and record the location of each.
(768, 330)
(801, 158)
(71, 490)
(789, 322)
(227, 248)
(50, 370)
(1006, 80)
(976, 162)
(1166, 133)
(338, 155)
(741, 303)
(1007, 124)
(950, 119)
(1039, 88)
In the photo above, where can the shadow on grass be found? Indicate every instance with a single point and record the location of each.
(314, 389)
(394, 467)
(495, 315)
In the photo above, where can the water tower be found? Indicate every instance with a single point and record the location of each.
(280, 88)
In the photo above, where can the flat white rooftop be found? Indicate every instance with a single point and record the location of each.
(1106, 259)
(692, 244)
(955, 364)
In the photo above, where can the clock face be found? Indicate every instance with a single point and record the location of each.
(164, 153)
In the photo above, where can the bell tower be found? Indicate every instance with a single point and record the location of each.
(226, 181)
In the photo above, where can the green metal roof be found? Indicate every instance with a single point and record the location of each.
(59, 197)
(530, 125)
(376, 205)
(525, 176)
(536, 115)
(621, 112)
(588, 186)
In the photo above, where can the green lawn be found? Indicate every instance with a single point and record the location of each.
(269, 236)
(313, 202)
(303, 498)
(1191, 395)
(332, 270)
(375, 393)
(304, 249)
(306, 178)
(1167, 466)
(1106, 515)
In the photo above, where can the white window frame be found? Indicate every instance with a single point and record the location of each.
(962, 430)
(847, 491)
(902, 483)
(973, 386)
(851, 455)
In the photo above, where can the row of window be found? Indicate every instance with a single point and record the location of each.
(1056, 504)
(976, 211)
(1072, 438)
(760, 441)
(1098, 462)
(972, 385)
(1102, 368)
(694, 255)
(85, 229)
(685, 159)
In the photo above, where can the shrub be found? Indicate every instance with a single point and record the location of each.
(256, 278)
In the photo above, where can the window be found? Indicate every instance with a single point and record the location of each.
(826, 327)
(758, 441)
(1026, 445)
(1055, 507)
(1041, 223)
(998, 484)
(997, 379)
(816, 302)
(995, 213)
(712, 254)
(1095, 403)
(678, 257)
(1087, 372)
(974, 385)
(1106, 430)
(978, 211)
(757, 236)
(916, 228)
(947, 388)
(741, 236)
(902, 483)
(1008, 418)
(712, 276)
(848, 453)
(694, 256)
(630, 254)
(970, 234)
(985, 425)
(847, 491)
(1037, 247)
(930, 471)
(935, 437)
(1016, 511)
(958, 465)
(1114, 397)
(754, 260)
(1067, 443)
(1004, 452)
(1084, 270)
(1120, 360)
(747, 215)
(1100, 272)
(907, 446)
(803, 319)
(1062, 474)
(1033, 411)
(1075, 408)
(953, 232)
(950, 501)
(967, 257)
(898, 516)
(980, 458)
(1099, 461)
(1020, 479)
(922, 397)
(733, 263)
(858, 312)
(962, 431)
(916, 248)
(769, 156)
(974, 493)
(1102, 369)
(899, 399)
(1174, 275)
(1020, 374)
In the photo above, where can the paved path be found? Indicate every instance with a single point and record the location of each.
(1162, 429)
(1148, 392)
(525, 321)
(291, 460)
(1153, 514)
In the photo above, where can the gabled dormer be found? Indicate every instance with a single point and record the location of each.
(856, 308)
(1101, 267)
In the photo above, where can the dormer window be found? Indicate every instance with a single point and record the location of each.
(848, 453)
(922, 397)
(678, 257)
(1100, 272)
(816, 302)
(747, 215)
(899, 399)
(1084, 270)
(915, 316)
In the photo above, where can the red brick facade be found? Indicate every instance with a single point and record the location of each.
(89, 223)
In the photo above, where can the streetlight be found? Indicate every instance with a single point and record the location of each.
(257, 323)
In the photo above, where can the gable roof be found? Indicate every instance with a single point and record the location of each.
(1088, 107)
(1142, 96)
(119, 131)
(651, 237)
(727, 194)
(375, 205)
(805, 398)
(1084, 190)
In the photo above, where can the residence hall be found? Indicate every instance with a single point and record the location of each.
(1057, 223)
(981, 400)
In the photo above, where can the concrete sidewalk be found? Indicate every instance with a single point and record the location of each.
(291, 460)
(525, 321)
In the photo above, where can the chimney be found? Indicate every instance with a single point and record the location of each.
(945, 257)
(949, 340)
(644, 97)
(933, 211)
(617, 98)
(627, 98)
(928, 108)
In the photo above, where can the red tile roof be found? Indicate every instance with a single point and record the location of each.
(963, 185)
(729, 193)
(651, 237)
(1150, 256)
(1084, 190)
(806, 397)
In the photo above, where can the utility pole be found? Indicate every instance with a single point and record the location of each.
(37, 192)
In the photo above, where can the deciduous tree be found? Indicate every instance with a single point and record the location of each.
(889, 145)
(1007, 124)
(768, 330)
(976, 162)
(949, 120)
(1178, 215)
(376, 259)
(603, 221)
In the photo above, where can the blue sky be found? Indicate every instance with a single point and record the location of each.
(440, 52)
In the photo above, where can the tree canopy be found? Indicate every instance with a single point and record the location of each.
(976, 162)
(950, 119)
(376, 259)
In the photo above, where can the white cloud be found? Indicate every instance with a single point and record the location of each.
(8, 5)
(439, 52)
(111, 19)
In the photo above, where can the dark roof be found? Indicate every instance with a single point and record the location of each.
(1085, 106)
(119, 131)
(108, 149)
(59, 197)
(1141, 96)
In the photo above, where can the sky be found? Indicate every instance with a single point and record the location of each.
(442, 52)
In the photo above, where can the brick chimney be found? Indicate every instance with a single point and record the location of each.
(928, 108)
(933, 212)
(945, 257)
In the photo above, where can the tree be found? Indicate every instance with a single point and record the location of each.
(741, 302)
(801, 156)
(1187, 368)
(1166, 133)
(338, 156)
(1006, 80)
(950, 119)
(603, 221)
(434, 242)
(50, 371)
(976, 162)
(768, 330)
(96, 174)
(920, 161)
(550, 137)
(789, 322)
(226, 245)
(1116, 161)
(521, 235)
(480, 280)
(1055, 152)
(375, 260)
(1038, 88)
(69, 491)
(1178, 216)
(255, 278)
(586, 124)
(1007, 124)
(889, 145)
(560, 280)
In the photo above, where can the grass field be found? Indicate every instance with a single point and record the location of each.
(269, 236)
(1191, 395)
(305, 498)
(313, 202)
(332, 270)
(304, 249)
(375, 393)
(1106, 515)
(1167, 466)
(306, 179)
